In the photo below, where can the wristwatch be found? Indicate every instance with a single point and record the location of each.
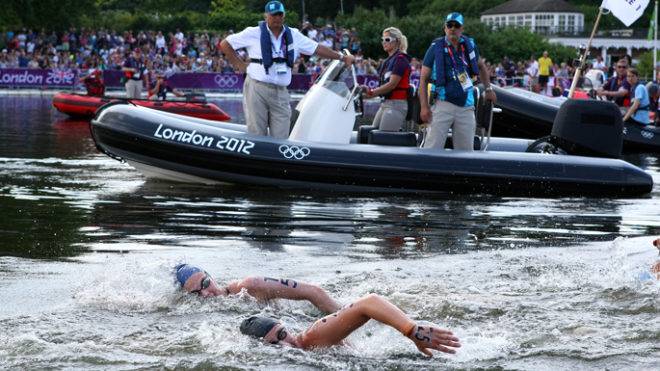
(341, 57)
(490, 88)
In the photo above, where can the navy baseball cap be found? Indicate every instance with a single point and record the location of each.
(274, 7)
(454, 17)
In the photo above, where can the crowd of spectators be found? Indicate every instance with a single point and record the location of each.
(525, 73)
(86, 48)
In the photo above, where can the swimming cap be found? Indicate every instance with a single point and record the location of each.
(257, 326)
(184, 271)
(642, 275)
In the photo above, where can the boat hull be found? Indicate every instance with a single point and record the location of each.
(207, 152)
(86, 106)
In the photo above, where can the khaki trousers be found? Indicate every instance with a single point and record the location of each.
(267, 108)
(134, 89)
(391, 115)
(447, 115)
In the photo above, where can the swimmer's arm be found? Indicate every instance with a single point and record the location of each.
(333, 328)
(283, 288)
(656, 269)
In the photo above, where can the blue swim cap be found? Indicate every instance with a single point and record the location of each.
(642, 275)
(184, 271)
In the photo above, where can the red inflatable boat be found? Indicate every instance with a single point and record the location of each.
(86, 105)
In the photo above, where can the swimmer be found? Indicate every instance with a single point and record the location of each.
(334, 328)
(656, 266)
(194, 279)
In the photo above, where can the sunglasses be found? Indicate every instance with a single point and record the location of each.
(281, 335)
(455, 25)
(204, 283)
(621, 66)
(388, 39)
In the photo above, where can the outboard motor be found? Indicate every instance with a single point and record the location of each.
(588, 128)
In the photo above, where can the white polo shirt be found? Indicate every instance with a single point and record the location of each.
(250, 38)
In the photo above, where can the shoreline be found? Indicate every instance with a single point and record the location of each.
(20, 92)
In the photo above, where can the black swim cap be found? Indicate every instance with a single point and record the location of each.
(257, 326)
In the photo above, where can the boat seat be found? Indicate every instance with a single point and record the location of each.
(363, 133)
(392, 138)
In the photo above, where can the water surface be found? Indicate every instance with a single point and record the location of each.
(87, 246)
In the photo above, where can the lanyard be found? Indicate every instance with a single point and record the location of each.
(461, 57)
(282, 47)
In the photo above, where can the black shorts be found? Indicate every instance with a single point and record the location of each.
(543, 79)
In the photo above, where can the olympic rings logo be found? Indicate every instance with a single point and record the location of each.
(294, 151)
(647, 134)
(226, 81)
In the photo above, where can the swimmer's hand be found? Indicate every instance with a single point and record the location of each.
(428, 337)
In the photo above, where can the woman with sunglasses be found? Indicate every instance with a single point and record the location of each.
(334, 328)
(394, 73)
(194, 279)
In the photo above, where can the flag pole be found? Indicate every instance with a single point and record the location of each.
(655, 37)
(576, 77)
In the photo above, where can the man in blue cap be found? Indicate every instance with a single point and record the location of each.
(450, 64)
(194, 279)
(272, 48)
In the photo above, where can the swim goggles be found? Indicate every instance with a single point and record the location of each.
(281, 335)
(204, 283)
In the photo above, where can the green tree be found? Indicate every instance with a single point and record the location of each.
(370, 25)
(227, 6)
(645, 66)
(52, 14)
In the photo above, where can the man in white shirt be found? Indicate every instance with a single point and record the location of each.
(599, 64)
(265, 96)
(533, 71)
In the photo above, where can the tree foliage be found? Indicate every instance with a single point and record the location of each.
(421, 29)
(51, 14)
(645, 66)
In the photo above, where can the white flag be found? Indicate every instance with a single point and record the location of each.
(626, 10)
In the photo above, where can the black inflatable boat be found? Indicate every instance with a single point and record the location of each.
(526, 114)
(323, 152)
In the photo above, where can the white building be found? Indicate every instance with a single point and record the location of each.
(564, 24)
(540, 16)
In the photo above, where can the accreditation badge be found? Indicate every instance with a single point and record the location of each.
(466, 82)
(280, 68)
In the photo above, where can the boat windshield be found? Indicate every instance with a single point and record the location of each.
(332, 78)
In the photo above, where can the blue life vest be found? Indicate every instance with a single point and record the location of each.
(401, 90)
(267, 47)
(439, 45)
(137, 64)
